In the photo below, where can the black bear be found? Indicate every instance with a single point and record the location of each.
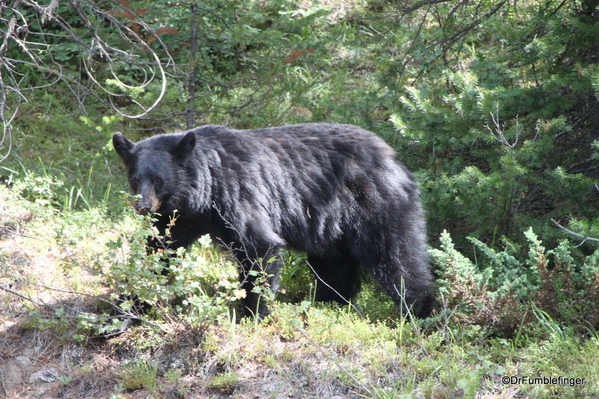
(333, 191)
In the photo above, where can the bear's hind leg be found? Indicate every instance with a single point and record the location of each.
(338, 277)
(406, 279)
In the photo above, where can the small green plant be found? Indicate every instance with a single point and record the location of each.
(140, 374)
(174, 386)
(297, 281)
(224, 382)
(42, 189)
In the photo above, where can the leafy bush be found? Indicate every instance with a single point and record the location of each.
(198, 286)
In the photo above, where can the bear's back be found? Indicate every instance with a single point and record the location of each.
(335, 146)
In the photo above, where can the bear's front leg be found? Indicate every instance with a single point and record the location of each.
(259, 277)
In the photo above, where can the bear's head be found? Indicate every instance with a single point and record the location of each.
(153, 167)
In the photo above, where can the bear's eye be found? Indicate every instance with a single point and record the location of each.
(156, 180)
(135, 182)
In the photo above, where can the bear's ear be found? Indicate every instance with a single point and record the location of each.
(185, 146)
(123, 147)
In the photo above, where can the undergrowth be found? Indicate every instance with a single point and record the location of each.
(504, 294)
(500, 315)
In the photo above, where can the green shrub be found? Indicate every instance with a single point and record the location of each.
(501, 293)
(198, 286)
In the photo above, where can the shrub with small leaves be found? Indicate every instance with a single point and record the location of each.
(470, 292)
(500, 292)
(197, 285)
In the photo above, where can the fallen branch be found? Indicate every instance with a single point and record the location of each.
(123, 314)
(127, 317)
(42, 305)
(19, 234)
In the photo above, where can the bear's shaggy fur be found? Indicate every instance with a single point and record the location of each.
(333, 191)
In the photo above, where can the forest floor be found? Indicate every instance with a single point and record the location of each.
(49, 291)
(43, 295)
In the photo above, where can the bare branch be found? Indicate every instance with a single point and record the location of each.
(498, 130)
(584, 238)
(38, 304)
(22, 46)
(127, 317)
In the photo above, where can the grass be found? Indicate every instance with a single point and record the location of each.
(53, 293)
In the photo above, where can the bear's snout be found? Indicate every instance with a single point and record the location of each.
(142, 207)
(149, 202)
